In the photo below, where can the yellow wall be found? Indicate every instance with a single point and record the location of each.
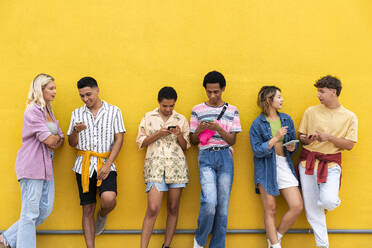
(135, 47)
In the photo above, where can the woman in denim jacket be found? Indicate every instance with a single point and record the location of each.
(273, 168)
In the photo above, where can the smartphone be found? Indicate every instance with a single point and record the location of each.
(170, 127)
(207, 120)
(291, 142)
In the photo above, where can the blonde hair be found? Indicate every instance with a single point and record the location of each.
(35, 95)
(265, 98)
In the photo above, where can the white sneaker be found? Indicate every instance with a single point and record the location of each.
(196, 245)
(277, 245)
(269, 243)
(100, 223)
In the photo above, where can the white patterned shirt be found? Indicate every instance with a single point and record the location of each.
(99, 135)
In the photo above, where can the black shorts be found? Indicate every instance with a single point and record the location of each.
(109, 184)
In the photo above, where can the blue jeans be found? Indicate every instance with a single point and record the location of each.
(216, 169)
(37, 204)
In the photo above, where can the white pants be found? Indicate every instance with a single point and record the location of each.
(320, 196)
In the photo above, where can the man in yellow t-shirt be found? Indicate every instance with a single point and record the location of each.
(325, 131)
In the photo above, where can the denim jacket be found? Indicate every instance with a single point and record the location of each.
(265, 158)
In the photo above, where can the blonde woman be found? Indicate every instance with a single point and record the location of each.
(274, 173)
(41, 135)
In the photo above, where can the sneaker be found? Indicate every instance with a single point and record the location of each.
(268, 243)
(196, 245)
(100, 223)
(277, 245)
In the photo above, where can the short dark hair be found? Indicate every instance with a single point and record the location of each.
(329, 82)
(87, 82)
(214, 77)
(167, 93)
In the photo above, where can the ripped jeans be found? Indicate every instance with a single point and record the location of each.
(37, 204)
(216, 169)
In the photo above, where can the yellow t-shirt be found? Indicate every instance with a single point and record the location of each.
(340, 122)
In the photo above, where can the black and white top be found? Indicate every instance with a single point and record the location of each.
(99, 135)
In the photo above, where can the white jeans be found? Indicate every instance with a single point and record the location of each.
(320, 196)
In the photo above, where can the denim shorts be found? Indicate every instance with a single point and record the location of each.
(163, 186)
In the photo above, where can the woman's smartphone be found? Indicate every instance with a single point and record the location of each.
(170, 127)
(291, 142)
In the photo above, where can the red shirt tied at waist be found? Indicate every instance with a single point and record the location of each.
(324, 159)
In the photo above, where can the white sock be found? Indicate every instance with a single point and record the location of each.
(280, 236)
(277, 245)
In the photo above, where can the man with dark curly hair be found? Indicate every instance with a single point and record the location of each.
(325, 131)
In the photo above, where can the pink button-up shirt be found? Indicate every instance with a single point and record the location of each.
(33, 159)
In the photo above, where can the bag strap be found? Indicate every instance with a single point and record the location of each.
(222, 111)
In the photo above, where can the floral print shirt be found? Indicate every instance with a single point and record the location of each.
(164, 157)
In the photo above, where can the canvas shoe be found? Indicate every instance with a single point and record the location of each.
(269, 243)
(277, 245)
(100, 223)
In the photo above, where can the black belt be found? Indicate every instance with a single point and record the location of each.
(217, 148)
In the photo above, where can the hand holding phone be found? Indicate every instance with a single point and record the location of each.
(307, 138)
(175, 130)
(291, 142)
(79, 126)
